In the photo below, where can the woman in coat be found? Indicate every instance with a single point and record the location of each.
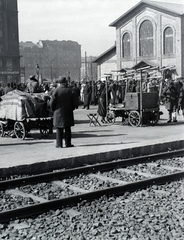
(102, 108)
(62, 104)
(170, 94)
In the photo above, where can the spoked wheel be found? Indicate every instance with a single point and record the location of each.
(134, 118)
(111, 117)
(19, 130)
(1, 130)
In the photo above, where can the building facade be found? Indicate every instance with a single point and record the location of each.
(88, 68)
(54, 58)
(9, 43)
(106, 63)
(151, 31)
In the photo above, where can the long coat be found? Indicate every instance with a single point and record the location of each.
(171, 97)
(87, 94)
(62, 104)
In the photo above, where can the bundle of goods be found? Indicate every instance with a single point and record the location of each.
(17, 105)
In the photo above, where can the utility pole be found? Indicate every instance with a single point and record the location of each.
(86, 72)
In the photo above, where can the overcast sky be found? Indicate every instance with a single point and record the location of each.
(84, 21)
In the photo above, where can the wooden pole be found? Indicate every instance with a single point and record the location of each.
(141, 109)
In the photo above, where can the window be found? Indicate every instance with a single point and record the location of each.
(146, 39)
(168, 41)
(9, 64)
(126, 45)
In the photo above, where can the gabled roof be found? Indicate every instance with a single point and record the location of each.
(170, 8)
(143, 64)
(106, 55)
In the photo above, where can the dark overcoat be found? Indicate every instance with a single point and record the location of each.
(62, 104)
(171, 97)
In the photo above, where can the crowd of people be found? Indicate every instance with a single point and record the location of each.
(99, 93)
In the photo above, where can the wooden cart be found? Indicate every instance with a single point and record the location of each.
(130, 111)
(21, 128)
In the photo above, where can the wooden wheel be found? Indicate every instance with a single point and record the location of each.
(111, 117)
(1, 130)
(134, 118)
(19, 130)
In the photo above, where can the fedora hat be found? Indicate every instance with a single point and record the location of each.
(62, 80)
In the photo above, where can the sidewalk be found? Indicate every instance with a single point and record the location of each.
(91, 142)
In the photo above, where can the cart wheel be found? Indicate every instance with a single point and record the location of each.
(134, 118)
(1, 130)
(19, 130)
(153, 119)
(111, 117)
(44, 130)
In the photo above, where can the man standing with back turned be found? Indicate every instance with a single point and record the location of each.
(62, 104)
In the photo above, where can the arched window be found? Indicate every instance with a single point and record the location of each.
(146, 39)
(126, 45)
(168, 41)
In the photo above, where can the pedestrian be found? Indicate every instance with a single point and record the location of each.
(181, 99)
(171, 100)
(83, 85)
(76, 92)
(33, 85)
(8, 88)
(1, 90)
(62, 104)
(102, 106)
(87, 95)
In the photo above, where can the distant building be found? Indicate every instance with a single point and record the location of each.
(55, 58)
(9, 43)
(106, 62)
(150, 33)
(88, 68)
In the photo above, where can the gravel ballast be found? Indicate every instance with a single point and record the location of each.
(150, 214)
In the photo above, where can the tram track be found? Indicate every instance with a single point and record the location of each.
(75, 182)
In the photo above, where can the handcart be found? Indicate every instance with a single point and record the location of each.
(20, 112)
(138, 107)
(130, 110)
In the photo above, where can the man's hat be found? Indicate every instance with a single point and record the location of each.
(62, 80)
(32, 77)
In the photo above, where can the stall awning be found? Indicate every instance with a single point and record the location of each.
(143, 64)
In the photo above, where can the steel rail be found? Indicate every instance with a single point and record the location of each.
(36, 209)
(46, 177)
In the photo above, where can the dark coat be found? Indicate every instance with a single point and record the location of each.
(62, 104)
(87, 94)
(171, 97)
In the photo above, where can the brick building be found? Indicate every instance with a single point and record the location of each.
(9, 42)
(55, 58)
(151, 31)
